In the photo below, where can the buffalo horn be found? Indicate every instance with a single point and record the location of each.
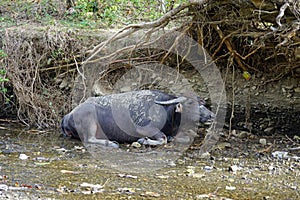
(172, 101)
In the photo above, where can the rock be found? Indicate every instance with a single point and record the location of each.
(283, 90)
(172, 164)
(271, 168)
(223, 145)
(233, 132)
(234, 168)
(190, 170)
(296, 137)
(208, 168)
(101, 88)
(297, 90)
(289, 87)
(263, 141)
(136, 145)
(205, 155)
(197, 175)
(269, 130)
(163, 176)
(3, 187)
(280, 154)
(183, 139)
(180, 162)
(125, 89)
(244, 134)
(230, 188)
(64, 84)
(297, 53)
(23, 156)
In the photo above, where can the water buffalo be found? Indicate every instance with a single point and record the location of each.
(146, 116)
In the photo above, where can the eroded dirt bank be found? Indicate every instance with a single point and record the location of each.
(263, 104)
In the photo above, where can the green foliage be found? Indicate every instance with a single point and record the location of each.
(120, 12)
(86, 13)
(2, 73)
(2, 54)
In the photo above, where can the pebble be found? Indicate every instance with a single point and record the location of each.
(205, 155)
(234, 168)
(125, 89)
(296, 137)
(136, 145)
(269, 130)
(3, 187)
(289, 87)
(244, 134)
(208, 168)
(271, 168)
(230, 188)
(280, 154)
(190, 170)
(64, 84)
(163, 176)
(263, 141)
(172, 164)
(233, 132)
(197, 175)
(297, 90)
(180, 162)
(223, 145)
(23, 156)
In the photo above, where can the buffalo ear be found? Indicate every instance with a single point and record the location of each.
(172, 101)
(201, 101)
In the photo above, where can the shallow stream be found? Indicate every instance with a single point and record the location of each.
(44, 165)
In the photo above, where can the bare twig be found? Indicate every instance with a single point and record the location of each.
(128, 30)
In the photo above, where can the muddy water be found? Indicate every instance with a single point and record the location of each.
(58, 168)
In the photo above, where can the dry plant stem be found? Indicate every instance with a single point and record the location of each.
(127, 63)
(174, 45)
(127, 48)
(268, 149)
(128, 30)
(59, 67)
(294, 142)
(249, 54)
(83, 79)
(230, 63)
(248, 110)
